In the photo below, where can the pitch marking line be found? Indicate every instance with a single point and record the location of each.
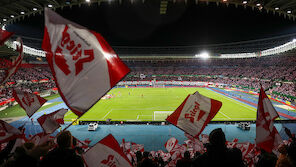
(107, 114)
(224, 114)
(237, 102)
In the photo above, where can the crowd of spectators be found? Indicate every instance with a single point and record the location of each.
(64, 151)
(276, 73)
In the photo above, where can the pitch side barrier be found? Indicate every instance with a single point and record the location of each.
(166, 123)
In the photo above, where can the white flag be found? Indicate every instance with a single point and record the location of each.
(28, 101)
(83, 64)
(106, 152)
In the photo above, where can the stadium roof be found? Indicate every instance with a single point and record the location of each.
(14, 10)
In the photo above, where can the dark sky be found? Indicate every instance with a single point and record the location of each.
(141, 24)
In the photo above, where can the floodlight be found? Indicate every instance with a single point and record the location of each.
(203, 55)
(4, 19)
(12, 16)
(245, 2)
(276, 8)
(49, 5)
(289, 11)
(34, 9)
(22, 12)
(87, 1)
(258, 4)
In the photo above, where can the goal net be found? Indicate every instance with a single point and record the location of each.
(161, 115)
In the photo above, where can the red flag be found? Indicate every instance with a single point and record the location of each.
(51, 122)
(194, 113)
(83, 64)
(4, 35)
(8, 132)
(15, 63)
(171, 144)
(28, 101)
(106, 153)
(267, 137)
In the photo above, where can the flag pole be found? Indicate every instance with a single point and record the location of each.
(71, 124)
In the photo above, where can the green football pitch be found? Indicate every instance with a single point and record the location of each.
(155, 104)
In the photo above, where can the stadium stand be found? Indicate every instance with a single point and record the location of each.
(276, 73)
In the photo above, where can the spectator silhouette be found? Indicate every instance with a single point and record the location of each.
(63, 155)
(146, 161)
(185, 161)
(217, 153)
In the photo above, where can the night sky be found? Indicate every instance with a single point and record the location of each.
(141, 24)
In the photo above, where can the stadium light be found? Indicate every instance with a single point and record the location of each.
(245, 2)
(203, 55)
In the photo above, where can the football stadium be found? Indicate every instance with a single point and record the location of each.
(147, 83)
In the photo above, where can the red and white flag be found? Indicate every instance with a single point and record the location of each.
(83, 64)
(4, 35)
(51, 122)
(8, 132)
(137, 147)
(267, 136)
(15, 63)
(194, 113)
(40, 138)
(171, 144)
(28, 101)
(106, 153)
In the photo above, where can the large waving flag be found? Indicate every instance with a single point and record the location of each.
(51, 122)
(194, 113)
(8, 132)
(4, 35)
(16, 63)
(267, 137)
(106, 152)
(83, 64)
(28, 101)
